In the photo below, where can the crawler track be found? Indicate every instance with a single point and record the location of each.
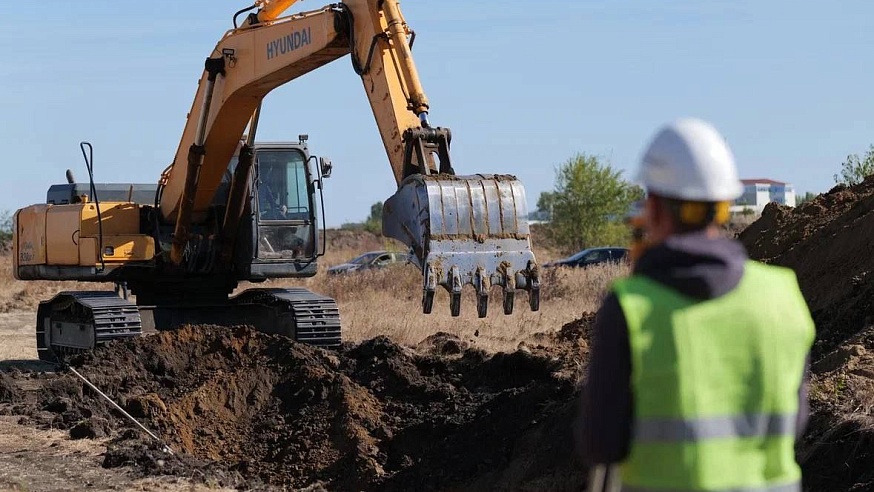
(73, 322)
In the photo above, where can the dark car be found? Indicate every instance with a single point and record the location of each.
(370, 260)
(592, 256)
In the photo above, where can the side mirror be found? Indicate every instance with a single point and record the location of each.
(326, 166)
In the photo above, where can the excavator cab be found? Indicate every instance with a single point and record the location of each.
(285, 192)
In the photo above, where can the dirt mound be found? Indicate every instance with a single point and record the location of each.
(827, 242)
(372, 416)
(9, 390)
(578, 330)
(442, 343)
(839, 450)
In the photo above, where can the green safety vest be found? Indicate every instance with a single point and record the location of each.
(715, 384)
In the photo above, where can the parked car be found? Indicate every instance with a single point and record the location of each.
(592, 256)
(370, 260)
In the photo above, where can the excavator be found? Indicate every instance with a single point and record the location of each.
(231, 209)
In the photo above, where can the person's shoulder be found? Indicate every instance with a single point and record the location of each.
(758, 268)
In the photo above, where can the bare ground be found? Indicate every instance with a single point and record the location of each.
(250, 409)
(48, 460)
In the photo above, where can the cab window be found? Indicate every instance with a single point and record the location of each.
(282, 186)
(285, 222)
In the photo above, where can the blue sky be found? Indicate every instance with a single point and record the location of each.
(522, 85)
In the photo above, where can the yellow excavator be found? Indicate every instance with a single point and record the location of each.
(230, 209)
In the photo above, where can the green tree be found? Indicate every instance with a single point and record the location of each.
(5, 225)
(855, 169)
(806, 197)
(373, 223)
(545, 202)
(589, 204)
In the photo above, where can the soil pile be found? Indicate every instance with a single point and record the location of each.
(372, 416)
(828, 243)
(838, 451)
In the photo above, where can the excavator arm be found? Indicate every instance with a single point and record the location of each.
(462, 229)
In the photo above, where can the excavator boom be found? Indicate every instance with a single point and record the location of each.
(462, 229)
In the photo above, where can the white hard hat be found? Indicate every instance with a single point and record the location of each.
(689, 160)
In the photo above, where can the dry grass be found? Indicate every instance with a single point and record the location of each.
(388, 302)
(16, 295)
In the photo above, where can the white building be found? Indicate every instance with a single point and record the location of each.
(760, 192)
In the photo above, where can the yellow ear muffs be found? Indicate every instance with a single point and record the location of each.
(721, 212)
(701, 213)
(693, 213)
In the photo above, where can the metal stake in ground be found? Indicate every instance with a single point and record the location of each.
(165, 448)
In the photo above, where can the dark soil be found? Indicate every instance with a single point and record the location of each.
(244, 407)
(828, 242)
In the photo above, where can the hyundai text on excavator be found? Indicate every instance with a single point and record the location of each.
(229, 209)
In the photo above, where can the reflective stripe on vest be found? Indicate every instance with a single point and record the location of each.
(789, 487)
(731, 426)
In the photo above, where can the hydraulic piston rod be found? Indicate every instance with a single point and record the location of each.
(214, 67)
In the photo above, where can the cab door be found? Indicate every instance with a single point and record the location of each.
(284, 198)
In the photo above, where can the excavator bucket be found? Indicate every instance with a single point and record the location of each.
(466, 230)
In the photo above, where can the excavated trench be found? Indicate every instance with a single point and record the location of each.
(246, 408)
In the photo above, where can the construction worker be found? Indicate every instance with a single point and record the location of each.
(697, 374)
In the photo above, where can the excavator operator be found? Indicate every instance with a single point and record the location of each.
(697, 379)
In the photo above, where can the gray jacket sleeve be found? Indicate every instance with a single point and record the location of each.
(803, 403)
(603, 426)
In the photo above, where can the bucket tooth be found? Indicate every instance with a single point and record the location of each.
(509, 299)
(430, 288)
(534, 287)
(455, 293)
(474, 226)
(481, 284)
(509, 289)
(534, 299)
